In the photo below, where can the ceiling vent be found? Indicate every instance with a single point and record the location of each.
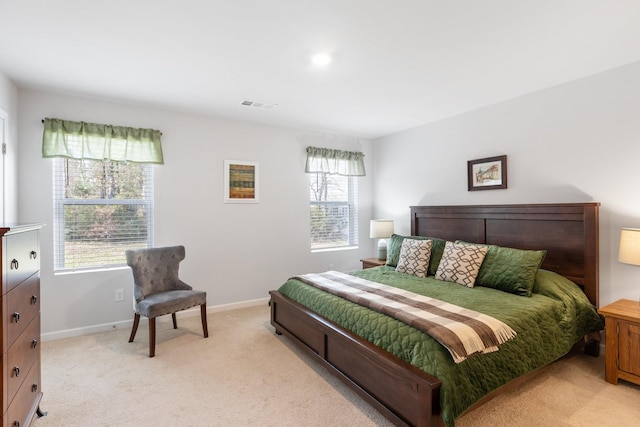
(256, 104)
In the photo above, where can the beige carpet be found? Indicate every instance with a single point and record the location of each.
(244, 375)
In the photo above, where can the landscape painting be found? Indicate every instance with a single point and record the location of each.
(487, 174)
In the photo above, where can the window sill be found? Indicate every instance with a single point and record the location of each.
(90, 270)
(343, 248)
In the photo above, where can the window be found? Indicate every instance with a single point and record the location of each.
(334, 210)
(102, 191)
(101, 208)
(333, 195)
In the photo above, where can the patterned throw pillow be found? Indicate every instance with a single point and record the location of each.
(414, 257)
(395, 244)
(461, 263)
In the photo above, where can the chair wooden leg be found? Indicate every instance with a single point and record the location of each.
(134, 329)
(175, 322)
(203, 314)
(152, 337)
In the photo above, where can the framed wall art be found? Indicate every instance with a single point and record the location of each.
(240, 181)
(487, 174)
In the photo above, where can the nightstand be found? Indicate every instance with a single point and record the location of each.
(622, 329)
(372, 262)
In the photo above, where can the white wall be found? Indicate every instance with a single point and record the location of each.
(236, 252)
(8, 164)
(572, 143)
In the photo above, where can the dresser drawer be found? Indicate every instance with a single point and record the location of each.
(22, 355)
(21, 257)
(23, 304)
(26, 401)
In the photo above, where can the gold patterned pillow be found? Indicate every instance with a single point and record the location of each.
(461, 263)
(414, 257)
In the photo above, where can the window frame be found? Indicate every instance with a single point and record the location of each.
(59, 224)
(353, 208)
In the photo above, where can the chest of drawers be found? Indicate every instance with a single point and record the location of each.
(20, 304)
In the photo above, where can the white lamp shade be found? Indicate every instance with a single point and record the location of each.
(381, 228)
(629, 246)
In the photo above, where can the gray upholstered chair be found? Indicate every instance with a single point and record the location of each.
(158, 290)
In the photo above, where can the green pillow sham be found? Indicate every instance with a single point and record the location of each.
(394, 245)
(509, 269)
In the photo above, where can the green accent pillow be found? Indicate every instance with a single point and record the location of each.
(394, 245)
(509, 269)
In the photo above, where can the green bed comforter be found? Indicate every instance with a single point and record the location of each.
(548, 323)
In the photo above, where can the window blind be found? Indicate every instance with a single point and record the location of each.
(334, 211)
(101, 209)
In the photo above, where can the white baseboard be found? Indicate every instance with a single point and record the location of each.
(92, 329)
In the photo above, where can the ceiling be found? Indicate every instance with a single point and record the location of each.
(396, 64)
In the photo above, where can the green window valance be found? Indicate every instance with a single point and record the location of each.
(81, 140)
(338, 162)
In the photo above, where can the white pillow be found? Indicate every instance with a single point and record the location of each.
(414, 257)
(461, 263)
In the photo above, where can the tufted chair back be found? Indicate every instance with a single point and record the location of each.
(155, 270)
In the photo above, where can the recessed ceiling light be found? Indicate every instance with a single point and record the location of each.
(321, 59)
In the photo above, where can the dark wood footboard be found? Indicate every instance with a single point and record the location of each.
(401, 392)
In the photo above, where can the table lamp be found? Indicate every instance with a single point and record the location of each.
(381, 229)
(629, 252)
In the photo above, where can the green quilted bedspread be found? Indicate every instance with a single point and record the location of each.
(548, 323)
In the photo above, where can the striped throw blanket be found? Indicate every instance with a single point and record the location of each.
(461, 331)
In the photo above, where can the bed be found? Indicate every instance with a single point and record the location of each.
(407, 375)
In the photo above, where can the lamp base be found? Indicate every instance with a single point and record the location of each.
(382, 249)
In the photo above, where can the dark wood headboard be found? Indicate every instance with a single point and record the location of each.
(568, 232)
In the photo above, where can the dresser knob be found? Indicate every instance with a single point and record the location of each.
(34, 387)
(34, 343)
(16, 423)
(33, 255)
(16, 371)
(16, 317)
(14, 264)
(34, 299)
